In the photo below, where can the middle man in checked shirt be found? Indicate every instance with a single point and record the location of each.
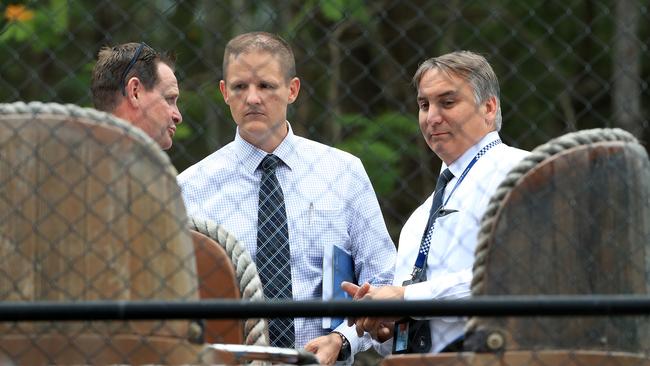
(328, 196)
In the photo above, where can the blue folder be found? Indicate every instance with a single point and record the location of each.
(337, 267)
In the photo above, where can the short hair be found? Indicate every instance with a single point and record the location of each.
(471, 67)
(108, 79)
(264, 42)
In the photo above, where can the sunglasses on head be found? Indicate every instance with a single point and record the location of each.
(134, 59)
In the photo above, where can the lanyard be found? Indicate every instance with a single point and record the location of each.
(425, 244)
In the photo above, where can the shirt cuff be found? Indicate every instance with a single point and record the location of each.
(418, 291)
(384, 349)
(351, 334)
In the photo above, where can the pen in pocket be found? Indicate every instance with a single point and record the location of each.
(311, 211)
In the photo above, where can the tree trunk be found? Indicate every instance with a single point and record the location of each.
(627, 68)
(333, 128)
(213, 126)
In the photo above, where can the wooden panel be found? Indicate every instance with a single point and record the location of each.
(521, 358)
(217, 279)
(91, 349)
(578, 223)
(90, 211)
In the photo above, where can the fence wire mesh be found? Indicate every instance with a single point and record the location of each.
(90, 208)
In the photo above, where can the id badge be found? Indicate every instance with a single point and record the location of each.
(401, 331)
(401, 336)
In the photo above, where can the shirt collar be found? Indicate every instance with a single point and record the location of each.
(458, 166)
(250, 156)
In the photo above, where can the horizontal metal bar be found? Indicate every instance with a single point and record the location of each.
(601, 305)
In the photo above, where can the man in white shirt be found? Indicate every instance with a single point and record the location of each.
(327, 196)
(459, 116)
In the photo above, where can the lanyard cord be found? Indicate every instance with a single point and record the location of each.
(433, 213)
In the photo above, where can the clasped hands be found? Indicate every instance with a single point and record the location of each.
(380, 329)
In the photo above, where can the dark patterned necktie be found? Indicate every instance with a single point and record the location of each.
(436, 205)
(419, 336)
(273, 257)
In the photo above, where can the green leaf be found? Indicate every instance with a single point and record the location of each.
(381, 144)
(183, 131)
(8, 33)
(58, 13)
(18, 31)
(358, 10)
(332, 9)
(337, 10)
(305, 10)
(43, 37)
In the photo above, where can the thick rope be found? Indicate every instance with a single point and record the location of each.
(250, 286)
(538, 155)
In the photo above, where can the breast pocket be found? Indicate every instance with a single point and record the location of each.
(447, 220)
(323, 227)
(455, 240)
(443, 238)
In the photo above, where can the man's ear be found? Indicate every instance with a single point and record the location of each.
(133, 87)
(294, 89)
(490, 105)
(224, 91)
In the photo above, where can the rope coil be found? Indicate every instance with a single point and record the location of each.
(250, 286)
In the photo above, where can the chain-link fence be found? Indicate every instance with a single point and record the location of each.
(92, 190)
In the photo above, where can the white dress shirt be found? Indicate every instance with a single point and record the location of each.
(329, 200)
(451, 256)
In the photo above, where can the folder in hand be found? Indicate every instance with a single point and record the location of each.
(338, 266)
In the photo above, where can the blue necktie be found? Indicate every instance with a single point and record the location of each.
(273, 256)
(441, 184)
(419, 334)
(436, 205)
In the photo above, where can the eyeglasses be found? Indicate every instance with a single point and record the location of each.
(130, 66)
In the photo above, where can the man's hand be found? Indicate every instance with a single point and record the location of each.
(369, 292)
(326, 348)
(380, 329)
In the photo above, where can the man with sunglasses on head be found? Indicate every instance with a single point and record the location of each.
(136, 83)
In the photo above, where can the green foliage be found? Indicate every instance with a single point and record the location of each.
(191, 106)
(382, 145)
(20, 23)
(58, 15)
(18, 31)
(183, 131)
(554, 61)
(337, 10)
(332, 10)
(41, 27)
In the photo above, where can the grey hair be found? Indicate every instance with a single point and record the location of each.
(473, 68)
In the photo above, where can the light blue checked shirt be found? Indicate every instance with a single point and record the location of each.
(329, 200)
